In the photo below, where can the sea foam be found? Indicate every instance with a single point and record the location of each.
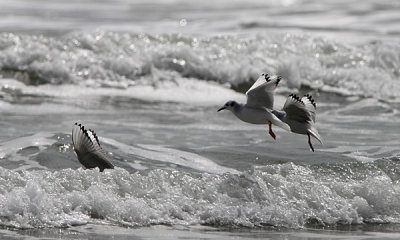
(121, 60)
(279, 195)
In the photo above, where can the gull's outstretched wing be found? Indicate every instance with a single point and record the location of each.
(88, 149)
(310, 105)
(262, 91)
(298, 110)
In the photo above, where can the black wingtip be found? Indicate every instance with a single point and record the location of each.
(311, 100)
(266, 76)
(85, 131)
(95, 136)
(278, 79)
(295, 97)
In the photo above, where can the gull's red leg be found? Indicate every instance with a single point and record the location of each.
(270, 130)
(309, 142)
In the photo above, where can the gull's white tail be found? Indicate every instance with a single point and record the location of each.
(313, 132)
(276, 121)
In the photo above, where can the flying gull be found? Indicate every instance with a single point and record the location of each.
(299, 114)
(258, 108)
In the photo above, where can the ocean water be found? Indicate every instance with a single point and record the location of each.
(149, 78)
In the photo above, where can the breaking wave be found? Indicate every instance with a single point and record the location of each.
(286, 195)
(123, 60)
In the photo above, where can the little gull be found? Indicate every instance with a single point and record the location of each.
(88, 149)
(258, 108)
(299, 114)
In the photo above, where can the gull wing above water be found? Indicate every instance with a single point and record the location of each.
(303, 111)
(88, 149)
(310, 105)
(300, 110)
(262, 92)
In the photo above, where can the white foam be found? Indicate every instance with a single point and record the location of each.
(182, 90)
(280, 195)
(123, 61)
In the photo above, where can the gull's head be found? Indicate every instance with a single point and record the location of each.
(230, 105)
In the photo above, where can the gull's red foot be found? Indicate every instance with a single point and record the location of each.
(309, 142)
(271, 132)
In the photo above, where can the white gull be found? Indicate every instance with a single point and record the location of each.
(258, 108)
(299, 114)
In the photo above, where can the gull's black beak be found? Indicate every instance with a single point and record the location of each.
(221, 109)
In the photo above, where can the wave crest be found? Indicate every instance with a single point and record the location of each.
(277, 195)
(107, 59)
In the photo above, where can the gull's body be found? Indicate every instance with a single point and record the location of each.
(258, 108)
(251, 114)
(299, 114)
(88, 149)
(255, 114)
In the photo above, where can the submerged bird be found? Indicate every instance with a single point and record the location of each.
(299, 114)
(88, 149)
(258, 108)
